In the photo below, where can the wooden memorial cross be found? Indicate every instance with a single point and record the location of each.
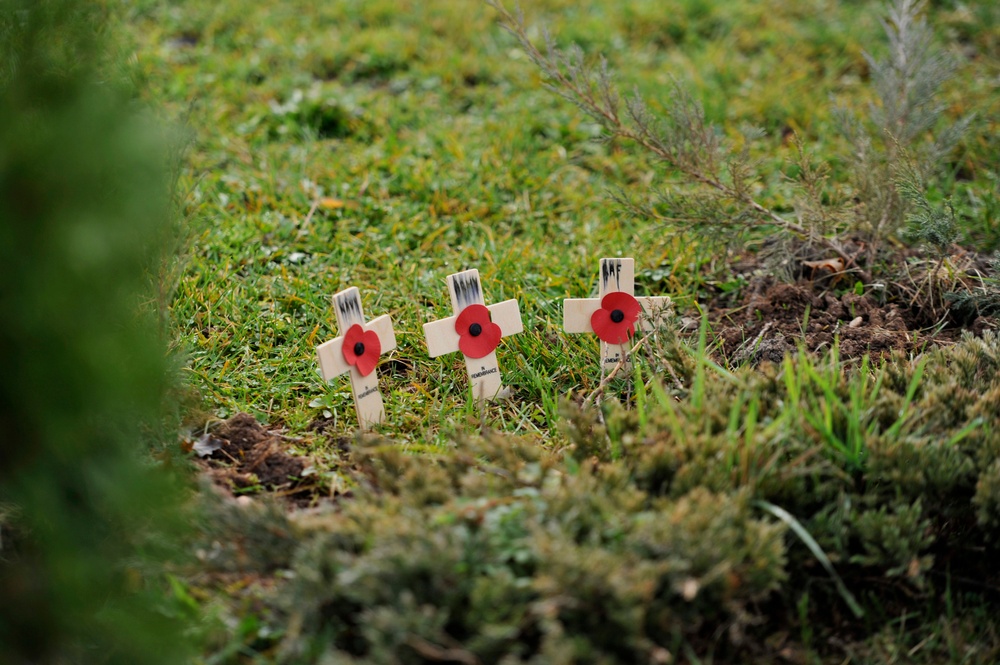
(614, 313)
(475, 330)
(357, 351)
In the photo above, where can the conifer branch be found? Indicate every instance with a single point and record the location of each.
(683, 139)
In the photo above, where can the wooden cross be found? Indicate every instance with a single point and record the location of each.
(616, 316)
(357, 351)
(475, 330)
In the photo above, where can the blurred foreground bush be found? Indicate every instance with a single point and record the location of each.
(84, 209)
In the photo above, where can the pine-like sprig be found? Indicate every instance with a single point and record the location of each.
(680, 137)
(899, 125)
(720, 201)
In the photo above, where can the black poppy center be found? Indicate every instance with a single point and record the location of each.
(475, 330)
(359, 349)
(617, 315)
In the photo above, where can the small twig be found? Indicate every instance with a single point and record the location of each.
(312, 211)
(656, 318)
(614, 371)
(673, 375)
(440, 654)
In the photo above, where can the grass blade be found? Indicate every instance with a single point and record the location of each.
(817, 551)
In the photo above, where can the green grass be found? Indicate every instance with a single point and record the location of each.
(442, 150)
(387, 144)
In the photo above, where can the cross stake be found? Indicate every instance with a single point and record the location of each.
(614, 313)
(357, 351)
(475, 330)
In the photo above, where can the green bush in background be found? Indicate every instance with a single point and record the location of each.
(84, 209)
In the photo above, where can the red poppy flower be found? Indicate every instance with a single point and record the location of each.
(477, 335)
(615, 321)
(362, 348)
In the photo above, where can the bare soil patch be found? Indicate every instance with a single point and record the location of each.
(773, 318)
(249, 457)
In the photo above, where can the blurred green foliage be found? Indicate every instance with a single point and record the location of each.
(84, 211)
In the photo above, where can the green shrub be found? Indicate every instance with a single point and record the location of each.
(531, 561)
(84, 210)
(657, 532)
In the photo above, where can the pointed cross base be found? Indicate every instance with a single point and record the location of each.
(359, 361)
(472, 331)
(617, 275)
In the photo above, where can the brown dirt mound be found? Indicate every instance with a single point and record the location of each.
(248, 457)
(774, 318)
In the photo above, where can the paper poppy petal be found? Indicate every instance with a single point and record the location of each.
(353, 335)
(365, 362)
(606, 329)
(610, 331)
(623, 301)
(373, 349)
(482, 345)
(472, 314)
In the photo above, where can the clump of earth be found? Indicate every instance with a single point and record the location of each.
(242, 457)
(773, 318)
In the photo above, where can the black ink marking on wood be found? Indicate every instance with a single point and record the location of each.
(467, 289)
(615, 359)
(349, 307)
(484, 372)
(611, 269)
(371, 390)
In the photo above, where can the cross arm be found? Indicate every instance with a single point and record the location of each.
(331, 358)
(441, 337)
(382, 326)
(507, 315)
(577, 313)
(331, 353)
